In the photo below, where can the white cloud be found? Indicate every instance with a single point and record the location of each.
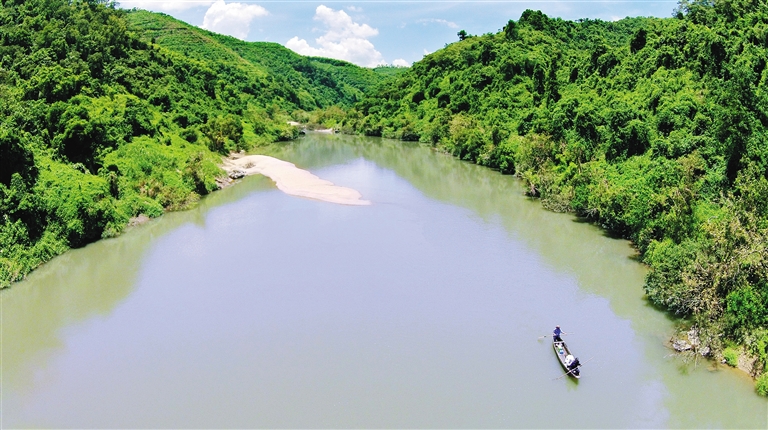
(164, 6)
(438, 21)
(233, 19)
(401, 63)
(426, 52)
(354, 9)
(343, 40)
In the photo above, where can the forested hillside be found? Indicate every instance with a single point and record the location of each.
(107, 114)
(653, 128)
(308, 83)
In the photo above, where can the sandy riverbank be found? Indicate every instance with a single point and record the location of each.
(294, 181)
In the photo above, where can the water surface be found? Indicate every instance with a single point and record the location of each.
(258, 309)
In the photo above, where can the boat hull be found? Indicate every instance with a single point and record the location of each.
(562, 351)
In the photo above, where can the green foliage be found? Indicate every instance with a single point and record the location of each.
(14, 156)
(107, 114)
(387, 72)
(267, 72)
(653, 128)
(225, 134)
(78, 203)
(510, 30)
(731, 356)
(761, 386)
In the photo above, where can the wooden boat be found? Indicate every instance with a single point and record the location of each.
(562, 351)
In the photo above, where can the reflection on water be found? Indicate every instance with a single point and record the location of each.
(83, 284)
(258, 309)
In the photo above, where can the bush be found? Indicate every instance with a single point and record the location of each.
(189, 134)
(225, 134)
(285, 132)
(79, 204)
(762, 385)
(664, 283)
(731, 356)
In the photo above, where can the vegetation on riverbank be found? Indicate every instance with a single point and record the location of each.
(107, 114)
(653, 128)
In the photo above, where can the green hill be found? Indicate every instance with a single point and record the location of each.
(309, 82)
(106, 114)
(653, 128)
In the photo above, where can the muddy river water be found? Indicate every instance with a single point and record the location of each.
(424, 309)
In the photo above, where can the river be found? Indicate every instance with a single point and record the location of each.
(424, 309)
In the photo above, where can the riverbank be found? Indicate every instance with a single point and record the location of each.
(292, 180)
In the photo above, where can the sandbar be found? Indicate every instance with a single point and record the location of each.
(294, 181)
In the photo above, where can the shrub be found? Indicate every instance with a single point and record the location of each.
(762, 385)
(189, 134)
(731, 356)
(224, 133)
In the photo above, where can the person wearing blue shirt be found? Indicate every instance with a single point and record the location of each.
(556, 334)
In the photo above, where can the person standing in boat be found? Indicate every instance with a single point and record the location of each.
(556, 334)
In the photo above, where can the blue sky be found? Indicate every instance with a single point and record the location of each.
(368, 33)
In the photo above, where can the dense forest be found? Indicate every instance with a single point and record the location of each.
(653, 128)
(106, 114)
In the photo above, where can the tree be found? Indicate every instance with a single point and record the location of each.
(638, 40)
(510, 30)
(224, 133)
